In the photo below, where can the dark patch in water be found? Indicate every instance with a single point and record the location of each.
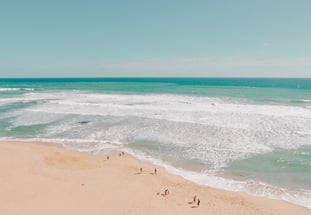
(83, 122)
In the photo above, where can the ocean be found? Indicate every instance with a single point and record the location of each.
(249, 135)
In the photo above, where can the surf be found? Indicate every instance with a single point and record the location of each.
(196, 136)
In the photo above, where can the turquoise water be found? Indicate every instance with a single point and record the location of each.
(251, 135)
(291, 168)
(291, 89)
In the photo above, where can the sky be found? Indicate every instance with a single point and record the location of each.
(162, 38)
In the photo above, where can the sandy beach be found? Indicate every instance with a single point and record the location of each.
(39, 179)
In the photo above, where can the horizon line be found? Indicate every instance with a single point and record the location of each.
(153, 77)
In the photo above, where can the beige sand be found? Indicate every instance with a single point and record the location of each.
(39, 180)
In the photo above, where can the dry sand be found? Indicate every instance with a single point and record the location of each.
(37, 179)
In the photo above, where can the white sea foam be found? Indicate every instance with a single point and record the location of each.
(15, 89)
(210, 131)
(214, 129)
(157, 105)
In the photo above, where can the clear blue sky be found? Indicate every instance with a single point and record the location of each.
(233, 38)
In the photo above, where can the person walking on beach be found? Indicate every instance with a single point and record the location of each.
(141, 170)
(194, 199)
(107, 158)
(155, 170)
(199, 202)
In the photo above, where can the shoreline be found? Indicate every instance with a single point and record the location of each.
(229, 183)
(48, 179)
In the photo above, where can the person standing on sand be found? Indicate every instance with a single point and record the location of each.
(155, 170)
(194, 199)
(199, 202)
(107, 158)
(141, 170)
